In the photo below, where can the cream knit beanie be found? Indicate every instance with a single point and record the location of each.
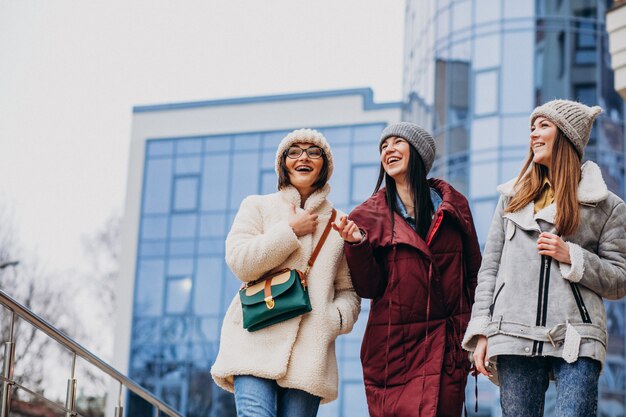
(574, 119)
(311, 136)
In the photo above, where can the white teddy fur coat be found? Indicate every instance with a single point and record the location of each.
(300, 352)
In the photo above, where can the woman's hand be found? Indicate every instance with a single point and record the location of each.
(302, 223)
(348, 230)
(480, 356)
(552, 245)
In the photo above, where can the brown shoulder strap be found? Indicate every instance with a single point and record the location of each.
(322, 240)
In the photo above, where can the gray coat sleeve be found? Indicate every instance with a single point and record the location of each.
(604, 271)
(486, 279)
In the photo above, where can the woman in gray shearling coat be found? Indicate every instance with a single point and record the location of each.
(556, 247)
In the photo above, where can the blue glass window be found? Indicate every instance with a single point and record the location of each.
(247, 142)
(149, 295)
(183, 226)
(180, 267)
(272, 139)
(187, 165)
(154, 228)
(208, 292)
(483, 182)
(485, 133)
(152, 248)
(215, 182)
(486, 52)
(269, 181)
(245, 176)
(340, 181)
(186, 193)
(182, 247)
(486, 10)
(160, 147)
(178, 295)
(211, 246)
(486, 92)
(363, 182)
(188, 146)
(213, 225)
(517, 86)
(158, 183)
(516, 8)
(368, 134)
(217, 144)
(366, 153)
(517, 131)
(337, 135)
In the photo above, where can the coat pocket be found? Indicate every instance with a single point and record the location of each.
(493, 304)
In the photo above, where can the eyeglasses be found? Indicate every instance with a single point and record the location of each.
(314, 152)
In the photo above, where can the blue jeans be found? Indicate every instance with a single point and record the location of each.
(524, 381)
(258, 397)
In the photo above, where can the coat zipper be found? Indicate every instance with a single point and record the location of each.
(435, 227)
(492, 306)
(542, 299)
(584, 314)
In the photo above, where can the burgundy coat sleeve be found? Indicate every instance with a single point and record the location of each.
(472, 258)
(368, 277)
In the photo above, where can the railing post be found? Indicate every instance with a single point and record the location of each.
(119, 410)
(70, 399)
(7, 370)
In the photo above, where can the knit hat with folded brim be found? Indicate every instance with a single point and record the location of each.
(311, 136)
(574, 119)
(417, 137)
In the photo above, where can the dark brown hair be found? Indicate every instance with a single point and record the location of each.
(283, 174)
(564, 177)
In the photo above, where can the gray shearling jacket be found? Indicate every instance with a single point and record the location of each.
(531, 305)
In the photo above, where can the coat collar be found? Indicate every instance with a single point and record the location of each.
(591, 190)
(314, 202)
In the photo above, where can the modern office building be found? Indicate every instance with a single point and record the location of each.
(473, 72)
(191, 164)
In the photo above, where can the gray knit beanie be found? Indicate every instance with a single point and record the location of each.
(574, 119)
(419, 138)
(311, 136)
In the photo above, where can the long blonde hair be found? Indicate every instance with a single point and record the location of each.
(564, 177)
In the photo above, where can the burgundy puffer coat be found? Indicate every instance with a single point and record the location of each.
(422, 293)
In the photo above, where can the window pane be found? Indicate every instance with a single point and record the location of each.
(183, 226)
(182, 247)
(269, 182)
(337, 135)
(272, 139)
(158, 182)
(363, 182)
(215, 182)
(245, 176)
(186, 193)
(208, 291)
(154, 228)
(217, 144)
(187, 165)
(160, 147)
(486, 10)
(517, 131)
(485, 133)
(483, 180)
(247, 142)
(461, 15)
(517, 8)
(152, 248)
(212, 225)
(340, 181)
(211, 246)
(149, 288)
(487, 52)
(366, 153)
(365, 134)
(186, 146)
(517, 86)
(483, 213)
(180, 267)
(178, 295)
(486, 92)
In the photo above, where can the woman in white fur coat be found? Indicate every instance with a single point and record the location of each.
(289, 368)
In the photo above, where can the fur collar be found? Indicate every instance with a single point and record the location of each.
(314, 202)
(591, 190)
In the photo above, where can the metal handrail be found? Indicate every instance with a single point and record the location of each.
(57, 335)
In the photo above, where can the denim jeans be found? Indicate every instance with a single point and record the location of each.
(259, 397)
(524, 381)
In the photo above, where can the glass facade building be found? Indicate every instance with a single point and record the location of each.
(473, 72)
(191, 188)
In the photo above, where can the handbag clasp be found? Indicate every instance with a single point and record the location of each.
(269, 302)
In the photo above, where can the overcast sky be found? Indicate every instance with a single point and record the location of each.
(70, 72)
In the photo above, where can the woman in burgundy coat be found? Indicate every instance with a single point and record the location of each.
(412, 249)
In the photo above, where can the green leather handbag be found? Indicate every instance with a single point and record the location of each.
(279, 295)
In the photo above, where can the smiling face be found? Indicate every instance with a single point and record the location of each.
(395, 155)
(542, 135)
(303, 171)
